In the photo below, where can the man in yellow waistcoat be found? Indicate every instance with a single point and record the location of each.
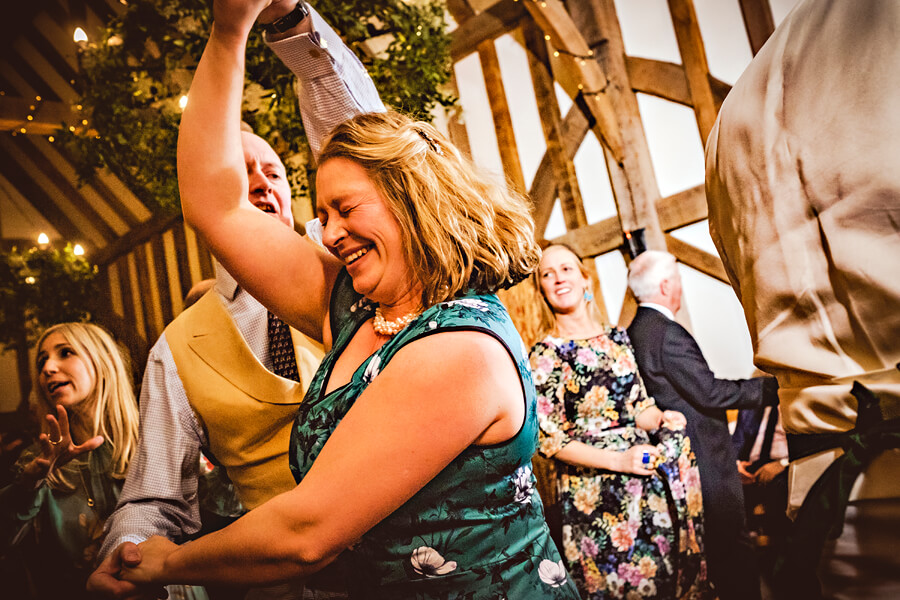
(209, 384)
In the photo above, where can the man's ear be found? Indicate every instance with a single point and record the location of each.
(665, 287)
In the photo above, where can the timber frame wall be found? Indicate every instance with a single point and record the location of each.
(147, 263)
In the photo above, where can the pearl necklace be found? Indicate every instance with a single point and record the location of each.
(389, 328)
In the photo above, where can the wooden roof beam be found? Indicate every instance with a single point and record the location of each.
(502, 17)
(696, 258)
(675, 211)
(47, 116)
(758, 22)
(575, 57)
(696, 69)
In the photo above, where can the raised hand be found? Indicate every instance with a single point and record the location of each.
(57, 447)
(236, 17)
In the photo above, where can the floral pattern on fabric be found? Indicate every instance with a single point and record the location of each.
(476, 531)
(624, 536)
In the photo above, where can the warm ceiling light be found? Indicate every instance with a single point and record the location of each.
(80, 35)
(43, 239)
(182, 102)
(78, 250)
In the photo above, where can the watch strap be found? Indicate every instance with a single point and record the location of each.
(288, 21)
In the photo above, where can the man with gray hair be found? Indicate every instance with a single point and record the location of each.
(679, 378)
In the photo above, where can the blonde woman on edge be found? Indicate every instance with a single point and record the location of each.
(67, 484)
(412, 449)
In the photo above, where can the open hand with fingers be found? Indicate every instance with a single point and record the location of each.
(57, 447)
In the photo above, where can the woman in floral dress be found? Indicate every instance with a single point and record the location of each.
(628, 483)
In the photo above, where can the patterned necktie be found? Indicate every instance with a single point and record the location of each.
(281, 349)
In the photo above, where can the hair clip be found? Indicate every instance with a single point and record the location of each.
(431, 142)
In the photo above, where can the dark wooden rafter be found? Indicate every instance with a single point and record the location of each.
(575, 127)
(574, 62)
(563, 168)
(124, 244)
(758, 22)
(48, 115)
(181, 251)
(502, 17)
(496, 93)
(41, 200)
(68, 190)
(697, 258)
(696, 69)
(632, 177)
(161, 273)
(675, 211)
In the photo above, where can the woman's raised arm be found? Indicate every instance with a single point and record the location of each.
(285, 272)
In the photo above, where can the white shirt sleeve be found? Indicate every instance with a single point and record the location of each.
(333, 84)
(160, 493)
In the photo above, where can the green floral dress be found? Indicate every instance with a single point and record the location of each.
(476, 531)
(624, 536)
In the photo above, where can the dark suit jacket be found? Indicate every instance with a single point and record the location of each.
(746, 431)
(678, 377)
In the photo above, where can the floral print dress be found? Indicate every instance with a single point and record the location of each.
(476, 531)
(624, 536)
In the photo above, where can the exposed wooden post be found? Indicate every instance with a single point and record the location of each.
(567, 187)
(758, 22)
(566, 182)
(506, 137)
(575, 64)
(496, 93)
(693, 57)
(698, 259)
(633, 180)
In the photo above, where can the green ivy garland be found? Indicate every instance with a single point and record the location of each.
(40, 287)
(133, 76)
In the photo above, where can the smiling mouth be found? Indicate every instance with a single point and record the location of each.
(55, 385)
(266, 208)
(356, 255)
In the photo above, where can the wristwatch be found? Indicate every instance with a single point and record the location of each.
(288, 21)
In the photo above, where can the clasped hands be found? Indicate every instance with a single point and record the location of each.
(132, 572)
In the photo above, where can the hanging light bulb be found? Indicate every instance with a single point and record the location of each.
(43, 239)
(182, 102)
(80, 35)
(78, 250)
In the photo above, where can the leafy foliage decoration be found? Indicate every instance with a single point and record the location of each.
(40, 287)
(133, 76)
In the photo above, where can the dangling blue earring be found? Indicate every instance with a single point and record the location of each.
(588, 295)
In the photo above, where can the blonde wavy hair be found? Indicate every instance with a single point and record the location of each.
(547, 325)
(460, 229)
(109, 410)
